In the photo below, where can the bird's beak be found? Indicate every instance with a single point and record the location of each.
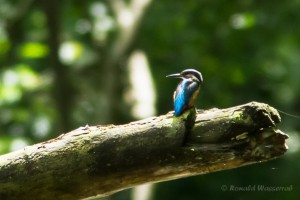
(178, 75)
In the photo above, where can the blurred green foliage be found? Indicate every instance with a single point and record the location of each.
(58, 72)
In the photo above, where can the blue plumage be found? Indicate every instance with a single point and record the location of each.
(180, 99)
(187, 90)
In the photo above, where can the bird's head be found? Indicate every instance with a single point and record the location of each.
(188, 73)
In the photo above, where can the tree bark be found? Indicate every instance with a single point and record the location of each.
(101, 160)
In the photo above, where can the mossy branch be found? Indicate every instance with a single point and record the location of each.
(100, 160)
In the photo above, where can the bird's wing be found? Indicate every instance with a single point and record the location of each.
(179, 99)
(191, 88)
(192, 92)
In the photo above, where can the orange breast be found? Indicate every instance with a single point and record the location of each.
(193, 98)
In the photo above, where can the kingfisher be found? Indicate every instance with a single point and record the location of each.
(187, 90)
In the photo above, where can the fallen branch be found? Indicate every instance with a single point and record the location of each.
(100, 160)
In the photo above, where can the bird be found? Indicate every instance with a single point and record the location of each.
(187, 90)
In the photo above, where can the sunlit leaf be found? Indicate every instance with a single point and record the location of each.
(242, 20)
(70, 51)
(28, 79)
(41, 126)
(18, 143)
(14, 80)
(34, 50)
(9, 94)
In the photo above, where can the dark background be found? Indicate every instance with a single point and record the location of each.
(65, 64)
